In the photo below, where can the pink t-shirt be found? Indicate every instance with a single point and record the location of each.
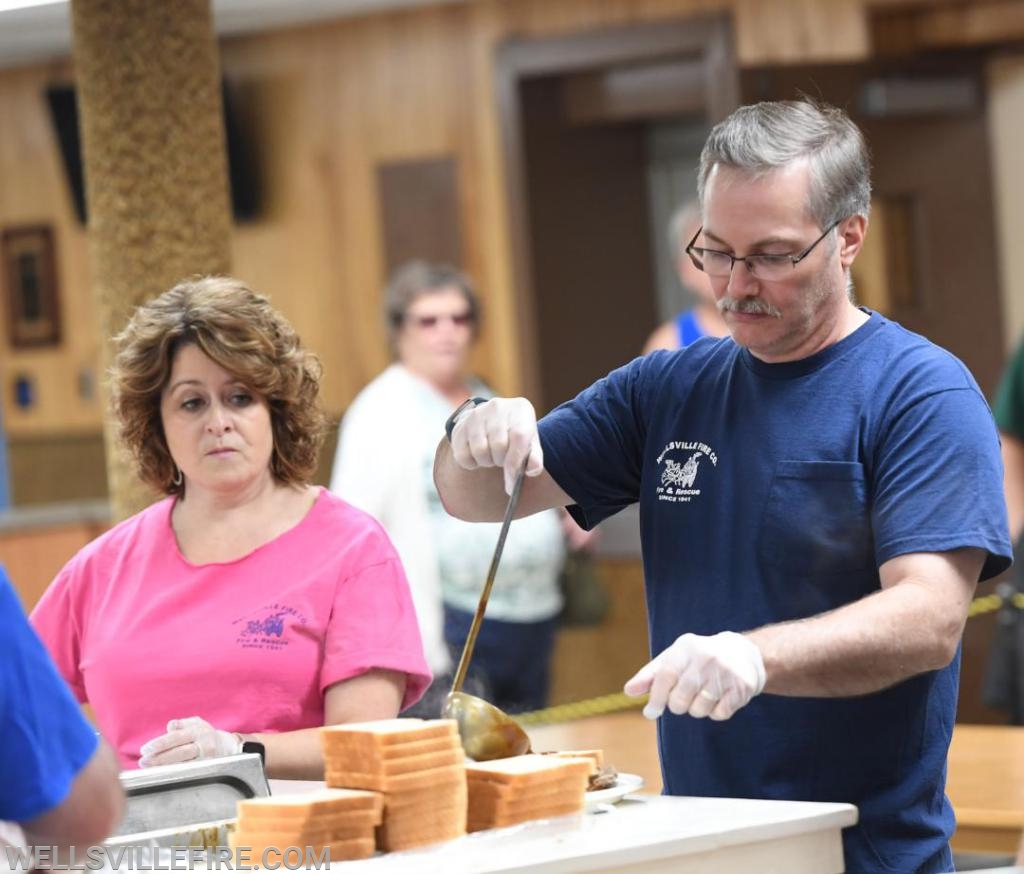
(249, 645)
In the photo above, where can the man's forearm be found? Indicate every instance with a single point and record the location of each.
(861, 648)
(471, 495)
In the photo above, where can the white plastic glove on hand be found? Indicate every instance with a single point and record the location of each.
(702, 676)
(188, 739)
(499, 433)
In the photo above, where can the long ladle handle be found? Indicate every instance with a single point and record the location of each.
(474, 629)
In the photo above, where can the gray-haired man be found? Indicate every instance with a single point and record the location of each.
(819, 496)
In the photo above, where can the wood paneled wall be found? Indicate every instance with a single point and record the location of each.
(593, 661)
(33, 191)
(32, 558)
(1006, 129)
(325, 105)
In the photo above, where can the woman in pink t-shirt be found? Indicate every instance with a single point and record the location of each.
(248, 604)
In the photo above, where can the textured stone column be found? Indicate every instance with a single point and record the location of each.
(148, 81)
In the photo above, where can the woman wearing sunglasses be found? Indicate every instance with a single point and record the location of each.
(384, 464)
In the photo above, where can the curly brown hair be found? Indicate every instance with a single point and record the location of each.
(240, 331)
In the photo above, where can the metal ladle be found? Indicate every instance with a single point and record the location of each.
(486, 731)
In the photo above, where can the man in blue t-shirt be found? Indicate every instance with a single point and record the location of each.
(58, 780)
(819, 496)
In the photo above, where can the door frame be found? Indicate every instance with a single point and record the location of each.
(708, 38)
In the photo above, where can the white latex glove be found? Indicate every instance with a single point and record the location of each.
(702, 676)
(188, 739)
(500, 433)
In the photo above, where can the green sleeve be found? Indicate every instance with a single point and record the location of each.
(1009, 403)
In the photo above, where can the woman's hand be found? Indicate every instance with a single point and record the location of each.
(188, 739)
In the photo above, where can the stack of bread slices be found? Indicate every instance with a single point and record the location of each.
(596, 756)
(510, 791)
(342, 821)
(417, 765)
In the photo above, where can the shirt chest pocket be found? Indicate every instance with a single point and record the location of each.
(816, 520)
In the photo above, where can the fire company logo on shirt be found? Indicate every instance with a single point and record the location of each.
(681, 463)
(265, 628)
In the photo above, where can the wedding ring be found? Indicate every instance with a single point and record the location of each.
(706, 694)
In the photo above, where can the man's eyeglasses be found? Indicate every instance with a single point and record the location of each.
(770, 267)
(426, 322)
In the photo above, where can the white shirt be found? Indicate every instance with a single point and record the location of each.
(384, 465)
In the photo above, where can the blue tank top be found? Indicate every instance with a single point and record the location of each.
(689, 330)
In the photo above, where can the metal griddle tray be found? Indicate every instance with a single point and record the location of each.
(200, 792)
(153, 846)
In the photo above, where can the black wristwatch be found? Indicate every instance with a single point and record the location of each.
(467, 404)
(254, 746)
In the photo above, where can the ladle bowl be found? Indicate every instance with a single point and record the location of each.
(486, 731)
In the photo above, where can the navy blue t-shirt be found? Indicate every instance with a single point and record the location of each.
(772, 492)
(44, 738)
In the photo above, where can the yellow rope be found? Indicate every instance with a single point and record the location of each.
(991, 603)
(619, 701)
(581, 709)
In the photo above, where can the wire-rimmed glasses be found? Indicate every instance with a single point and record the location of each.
(770, 267)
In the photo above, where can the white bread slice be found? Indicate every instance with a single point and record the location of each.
(250, 834)
(386, 767)
(494, 807)
(596, 755)
(343, 749)
(487, 790)
(316, 822)
(529, 769)
(325, 801)
(450, 794)
(384, 732)
(565, 808)
(403, 837)
(425, 818)
(396, 783)
(352, 848)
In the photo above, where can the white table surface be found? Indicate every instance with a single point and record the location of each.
(661, 833)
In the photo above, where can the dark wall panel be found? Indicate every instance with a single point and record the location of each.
(420, 211)
(589, 242)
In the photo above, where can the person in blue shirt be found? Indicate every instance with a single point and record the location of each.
(819, 496)
(58, 780)
(703, 319)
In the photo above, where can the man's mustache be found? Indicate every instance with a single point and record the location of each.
(753, 305)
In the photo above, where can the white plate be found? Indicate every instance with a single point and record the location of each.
(626, 784)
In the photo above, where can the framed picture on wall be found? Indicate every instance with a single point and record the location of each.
(29, 284)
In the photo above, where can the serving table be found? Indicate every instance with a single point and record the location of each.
(659, 833)
(984, 782)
